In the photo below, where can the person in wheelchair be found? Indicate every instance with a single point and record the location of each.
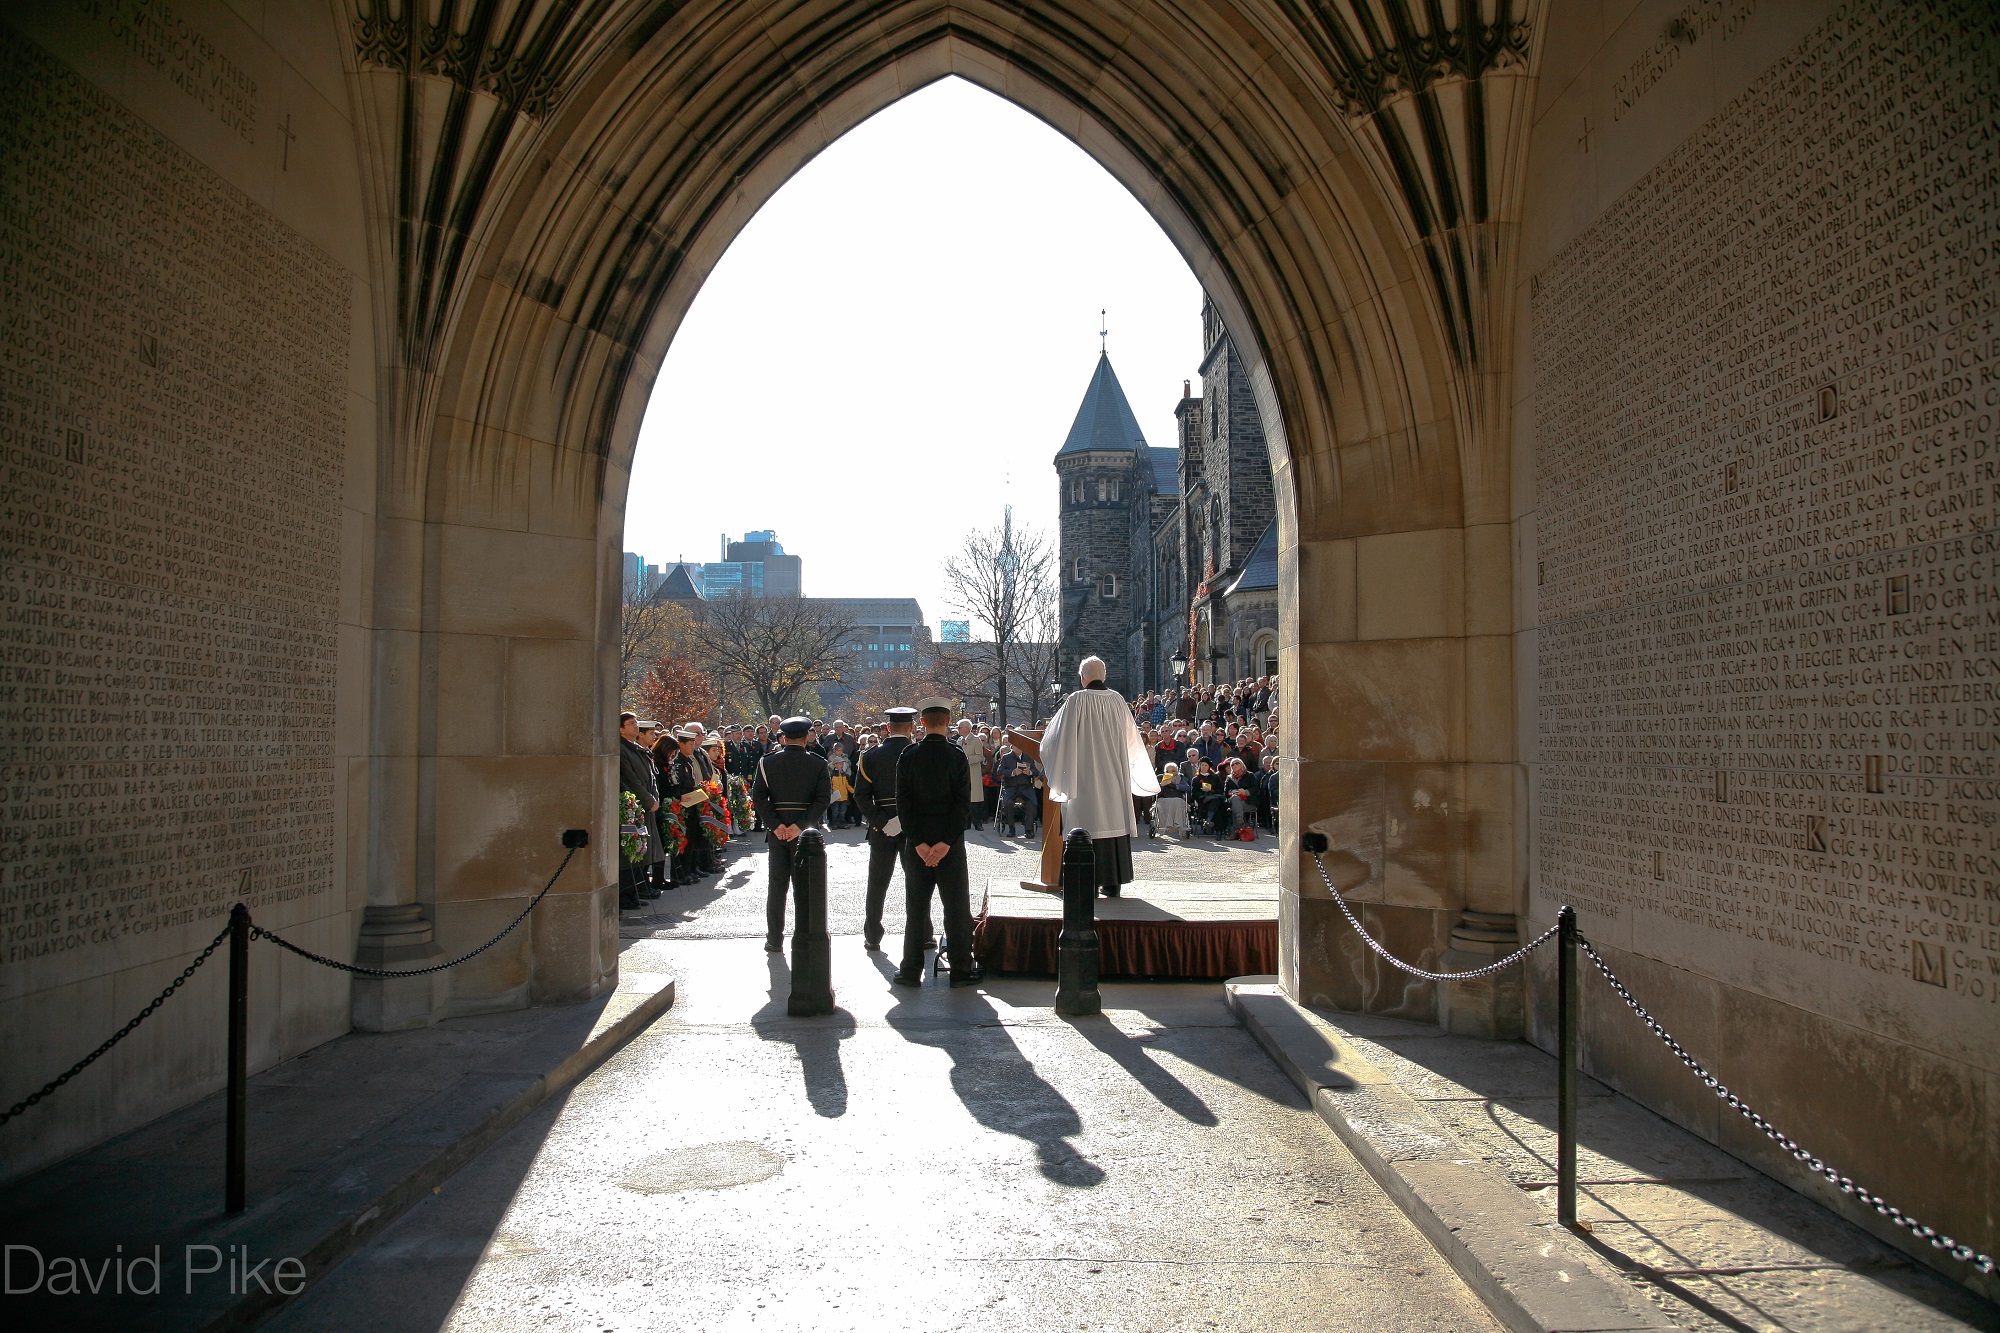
(1170, 812)
(1021, 781)
(1205, 798)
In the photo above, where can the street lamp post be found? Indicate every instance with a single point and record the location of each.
(1179, 664)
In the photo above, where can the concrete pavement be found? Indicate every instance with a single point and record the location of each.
(930, 1159)
(732, 906)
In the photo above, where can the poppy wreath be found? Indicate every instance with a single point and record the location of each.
(673, 827)
(632, 836)
(711, 818)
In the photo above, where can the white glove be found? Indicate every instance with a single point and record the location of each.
(894, 826)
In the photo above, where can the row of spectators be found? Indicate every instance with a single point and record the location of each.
(1253, 699)
(1216, 751)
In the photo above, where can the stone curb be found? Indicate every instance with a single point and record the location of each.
(1535, 1276)
(345, 1206)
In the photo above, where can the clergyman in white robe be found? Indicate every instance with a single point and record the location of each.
(1096, 764)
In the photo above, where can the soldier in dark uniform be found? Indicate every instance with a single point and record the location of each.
(790, 793)
(875, 798)
(933, 802)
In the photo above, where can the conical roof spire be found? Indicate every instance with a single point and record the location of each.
(1105, 419)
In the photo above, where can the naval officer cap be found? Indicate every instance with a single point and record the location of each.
(899, 713)
(795, 728)
(926, 705)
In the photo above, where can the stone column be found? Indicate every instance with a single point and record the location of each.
(396, 929)
(1398, 727)
(1491, 1006)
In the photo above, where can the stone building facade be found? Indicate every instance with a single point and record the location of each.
(1171, 552)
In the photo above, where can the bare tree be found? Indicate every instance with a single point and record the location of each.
(1037, 655)
(777, 647)
(997, 579)
(893, 686)
(649, 628)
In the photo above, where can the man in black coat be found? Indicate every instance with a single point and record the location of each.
(875, 799)
(637, 775)
(737, 755)
(934, 803)
(790, 793)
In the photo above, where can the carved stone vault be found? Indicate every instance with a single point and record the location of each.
(552, 182)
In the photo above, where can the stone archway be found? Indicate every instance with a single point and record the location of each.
(335, 323)
(540, 283)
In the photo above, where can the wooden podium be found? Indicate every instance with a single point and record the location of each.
(1029, 742)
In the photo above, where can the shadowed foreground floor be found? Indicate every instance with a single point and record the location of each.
(920, 1160)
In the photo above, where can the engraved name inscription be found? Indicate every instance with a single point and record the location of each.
(1768, 384)
(172, 402)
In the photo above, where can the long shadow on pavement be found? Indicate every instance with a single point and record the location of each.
(1132, 1054)
(998, 1084)
(817, 1041)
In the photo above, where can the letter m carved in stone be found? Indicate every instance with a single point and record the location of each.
(1927, 963)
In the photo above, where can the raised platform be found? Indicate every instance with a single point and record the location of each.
(1158, 928)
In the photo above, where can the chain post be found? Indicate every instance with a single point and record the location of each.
(236, 1131)
(1076, 951)
(812, 952)
(1567, 1034)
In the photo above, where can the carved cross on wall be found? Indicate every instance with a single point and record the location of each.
(1584, 138)
(286, 129)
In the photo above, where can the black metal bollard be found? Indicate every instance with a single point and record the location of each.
(236, 1130)
(812, 951)
(1567, 1034)
(1076, 953)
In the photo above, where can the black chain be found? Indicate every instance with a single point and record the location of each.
(1962, 1252)
(18, 1107)
(359, 971)
(1369, 940)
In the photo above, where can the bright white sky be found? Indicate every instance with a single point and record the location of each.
(916, 308)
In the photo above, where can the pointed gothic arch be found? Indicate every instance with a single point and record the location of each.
(580, 242)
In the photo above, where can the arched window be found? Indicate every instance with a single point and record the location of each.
(1110, 587)
(1078, 576)
(1264, 655)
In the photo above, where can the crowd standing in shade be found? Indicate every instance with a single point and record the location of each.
(686, 787)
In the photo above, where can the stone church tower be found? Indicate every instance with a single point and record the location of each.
(1171, 551)
(1106, 470)
(1222, 606)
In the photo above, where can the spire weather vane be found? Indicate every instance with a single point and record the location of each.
(1103, 335)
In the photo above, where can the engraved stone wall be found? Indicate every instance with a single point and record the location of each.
(1768, 384)
(171, 442)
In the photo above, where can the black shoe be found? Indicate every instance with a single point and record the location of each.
(628, 904)
(905, 979)
(774, 946)
(872, 946)
(972, 978)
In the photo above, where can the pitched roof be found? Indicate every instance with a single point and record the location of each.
(1166, 469)
(1260, 573)
(1105, 419)
(678, 587)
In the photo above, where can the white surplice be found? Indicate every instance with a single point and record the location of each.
(1096, 764)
